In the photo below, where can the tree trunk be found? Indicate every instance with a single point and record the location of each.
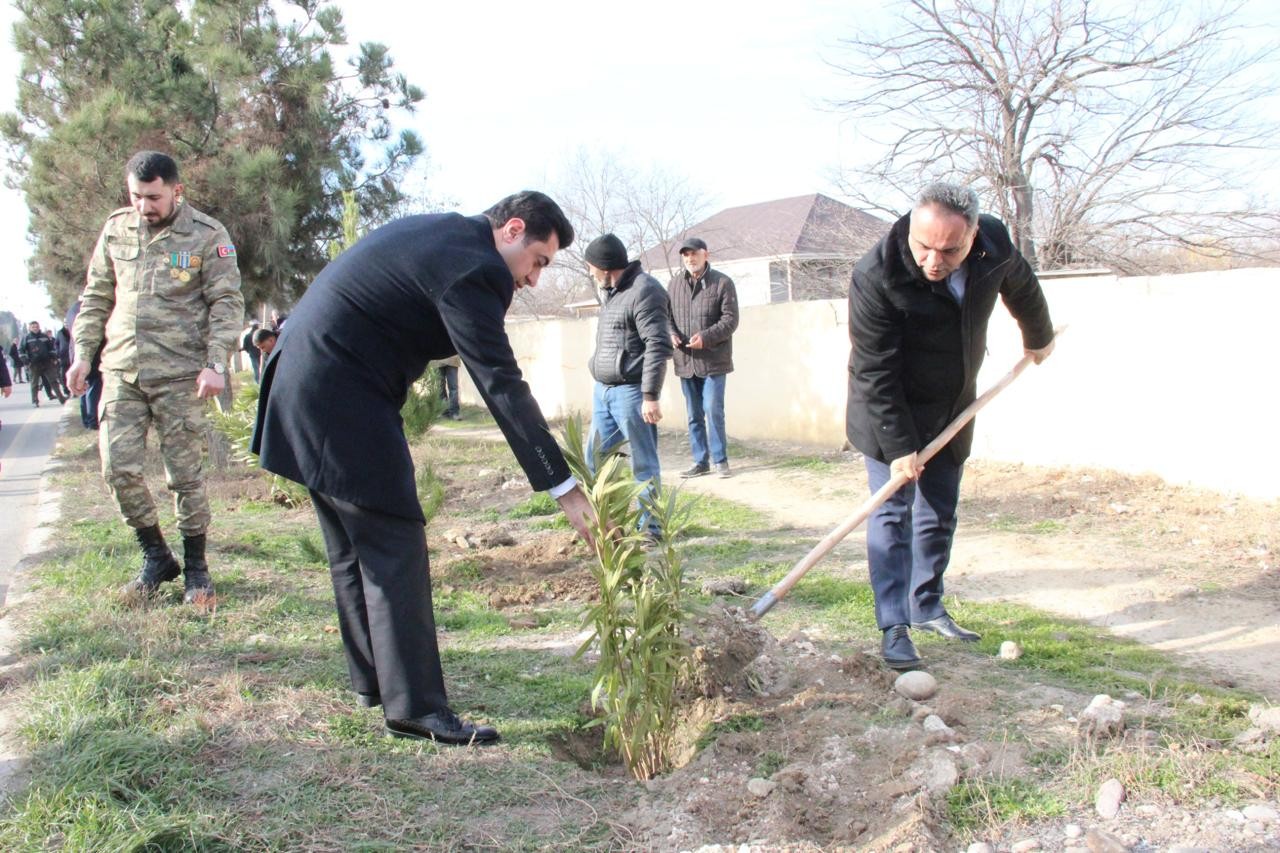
(1023, 208)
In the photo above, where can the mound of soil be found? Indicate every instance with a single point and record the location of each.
(541, 568)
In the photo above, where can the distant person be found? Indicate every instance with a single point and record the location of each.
(633, 344)
(419, 288)
(704, 316)
(264, 341)
(250, 350)
(278, 320)
(918, 311)
(40, 352)
(63, 339)
(162, 299)
(6, 384)
(16, 358)
(92, 397)
(447, 370)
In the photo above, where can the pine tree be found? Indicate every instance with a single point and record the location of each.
(268, 128)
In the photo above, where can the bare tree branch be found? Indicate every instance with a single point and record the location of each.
(1098, 138)
(602, 193)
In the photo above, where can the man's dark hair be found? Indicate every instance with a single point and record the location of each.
(146, 166)
(540, 213)
(263, 334)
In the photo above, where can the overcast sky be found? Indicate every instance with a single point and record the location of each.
(732, 95)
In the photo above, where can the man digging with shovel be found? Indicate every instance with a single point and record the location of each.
(918, 311)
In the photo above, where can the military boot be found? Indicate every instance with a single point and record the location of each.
(158, 565)
(196, 580)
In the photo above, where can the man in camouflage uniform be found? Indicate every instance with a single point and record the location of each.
(164, 290)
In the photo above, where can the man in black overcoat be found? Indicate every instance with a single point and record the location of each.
(918, 311)
(417, 289)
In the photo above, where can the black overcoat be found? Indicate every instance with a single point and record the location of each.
(916, 352)
(417, 289)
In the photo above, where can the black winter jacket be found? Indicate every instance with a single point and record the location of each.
(711, 307)
(916, 352)
(39, 349)
(633, 335)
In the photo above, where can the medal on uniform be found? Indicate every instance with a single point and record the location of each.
(180, 262)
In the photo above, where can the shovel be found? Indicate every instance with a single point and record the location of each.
(850, 524)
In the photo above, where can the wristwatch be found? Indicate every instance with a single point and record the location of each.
(219, 369)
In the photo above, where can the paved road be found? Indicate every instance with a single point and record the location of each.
(26, 440)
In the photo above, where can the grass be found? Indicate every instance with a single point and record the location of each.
(747, 722)
(159, 729)
(978, 804)
(539, 504)
(1006, 523)
(816, 465)
(712, 515)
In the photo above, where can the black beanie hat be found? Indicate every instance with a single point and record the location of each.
(606, 252)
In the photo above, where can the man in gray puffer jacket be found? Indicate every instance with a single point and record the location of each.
(633, 343)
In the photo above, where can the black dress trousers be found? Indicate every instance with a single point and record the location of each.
(382, 587)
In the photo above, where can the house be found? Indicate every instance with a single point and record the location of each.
(777, 251)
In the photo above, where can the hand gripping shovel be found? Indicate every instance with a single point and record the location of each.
(850, 524)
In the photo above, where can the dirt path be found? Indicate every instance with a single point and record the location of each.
(1184, 571)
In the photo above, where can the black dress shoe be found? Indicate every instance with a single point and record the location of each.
(898, 650)
(368, 700)
(947, 627)
(443, 726)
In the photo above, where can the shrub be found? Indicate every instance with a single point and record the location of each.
(422, 406)
(638, 620)
(237, 426)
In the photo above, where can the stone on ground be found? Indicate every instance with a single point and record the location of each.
(917, 685)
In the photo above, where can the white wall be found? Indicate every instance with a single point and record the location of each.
(1174, 375)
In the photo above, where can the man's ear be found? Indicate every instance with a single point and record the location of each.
(512, 230)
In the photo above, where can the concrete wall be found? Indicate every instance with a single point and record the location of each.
(1172, 375)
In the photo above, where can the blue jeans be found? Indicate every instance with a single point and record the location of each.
(615, 417)
(90, 401)
(704, 403)
(909, 541)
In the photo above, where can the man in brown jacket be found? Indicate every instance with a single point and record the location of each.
(704, 316)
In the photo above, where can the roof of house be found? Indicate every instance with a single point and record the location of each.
(812, 224)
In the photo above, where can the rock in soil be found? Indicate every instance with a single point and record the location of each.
(1103, 842)
(1104, 718)
(1109, 797)
(917, 685)
(724, 586)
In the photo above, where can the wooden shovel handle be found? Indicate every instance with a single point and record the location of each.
(782, 587)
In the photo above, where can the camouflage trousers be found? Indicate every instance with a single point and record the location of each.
(127, 410)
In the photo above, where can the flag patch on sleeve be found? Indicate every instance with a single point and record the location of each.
(227, 251)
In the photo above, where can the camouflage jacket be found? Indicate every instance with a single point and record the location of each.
(167, 303)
